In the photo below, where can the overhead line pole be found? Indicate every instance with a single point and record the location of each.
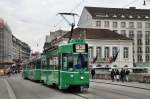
(71, 24)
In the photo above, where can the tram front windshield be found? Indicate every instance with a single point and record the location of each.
(80, 61)
(76, 61)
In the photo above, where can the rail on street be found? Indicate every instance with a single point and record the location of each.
(14, 87)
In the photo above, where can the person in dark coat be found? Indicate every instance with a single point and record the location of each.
(93, 73)
(127, 72)
(117, 75)
(112, 74)
(122, 75)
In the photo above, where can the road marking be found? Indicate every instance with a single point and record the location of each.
(10, 90)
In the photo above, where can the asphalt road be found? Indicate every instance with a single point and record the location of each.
(25, 89)
(3, 89)
(106, 91)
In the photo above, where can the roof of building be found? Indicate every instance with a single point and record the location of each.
(121, 13)
(92, 33)
(46, 45)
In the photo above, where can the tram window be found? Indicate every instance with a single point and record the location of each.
(43, 65)
(80, 61)
(67, 61)
(38, 65)
(64, 62)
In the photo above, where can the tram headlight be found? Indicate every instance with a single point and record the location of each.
(82, 77)
(71, 76)
(1, 71)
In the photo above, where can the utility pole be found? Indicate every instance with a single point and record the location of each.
(70, 24)
(145, 2)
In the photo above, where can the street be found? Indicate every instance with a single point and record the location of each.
(25, 89)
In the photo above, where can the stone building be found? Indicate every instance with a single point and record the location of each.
(11, 48)
(5, 45)
(104, 44)
(133, 23)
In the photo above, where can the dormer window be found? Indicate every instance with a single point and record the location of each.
(122, 16)
(138, 16)
(107, 15)
(114, 16)
(146, 17)
(101, 15)
(130, 16)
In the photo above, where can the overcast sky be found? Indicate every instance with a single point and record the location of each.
(31, 20)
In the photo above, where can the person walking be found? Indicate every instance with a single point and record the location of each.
(117, 75)
(112, 74)
(122, 75)
(127, 72)
(93, 73)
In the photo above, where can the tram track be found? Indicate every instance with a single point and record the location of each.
(80, 96)
(114, 93)
(121, 85)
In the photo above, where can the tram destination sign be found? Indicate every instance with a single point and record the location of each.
(80, 48)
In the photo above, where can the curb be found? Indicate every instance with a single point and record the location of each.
(121, 85)
(10, 90)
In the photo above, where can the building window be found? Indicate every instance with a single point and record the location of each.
(139, 42)
(115, 24)
(106, 24)
(125, 52)
(131, 24)
(98, 23)
(114, 51)
(131, 34)
(147, 34)
(123, 24)
(140, 58)
(99, 52)
(139, 24)
(106, 54)
(147, 25)
(147, 50)
(90, 52)
(147, 58)
(115, 31)
(147, 42)
(139, 34)
(123, 32)
(139, 50)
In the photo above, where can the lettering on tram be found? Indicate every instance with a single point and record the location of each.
(80, 48)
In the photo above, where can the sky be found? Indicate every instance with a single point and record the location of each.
(31, 20)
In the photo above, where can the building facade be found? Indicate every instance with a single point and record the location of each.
(104, 44)
(11, 49)
(5, 45)
(53, 36)
(20, 50)
(133, 23)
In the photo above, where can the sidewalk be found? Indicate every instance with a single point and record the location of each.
(3, 89)
(128, 84)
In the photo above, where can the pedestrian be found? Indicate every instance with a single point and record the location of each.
(93, 73)
(117, 75)
(127, 72)
(112, 74)
(122, 75)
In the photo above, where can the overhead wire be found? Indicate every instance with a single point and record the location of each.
(81, 2)
(132, 2)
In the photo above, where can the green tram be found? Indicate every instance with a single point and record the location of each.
(67, 65)
(32, 70)
(64, 66)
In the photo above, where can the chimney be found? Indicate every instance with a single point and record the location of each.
(132, 7)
